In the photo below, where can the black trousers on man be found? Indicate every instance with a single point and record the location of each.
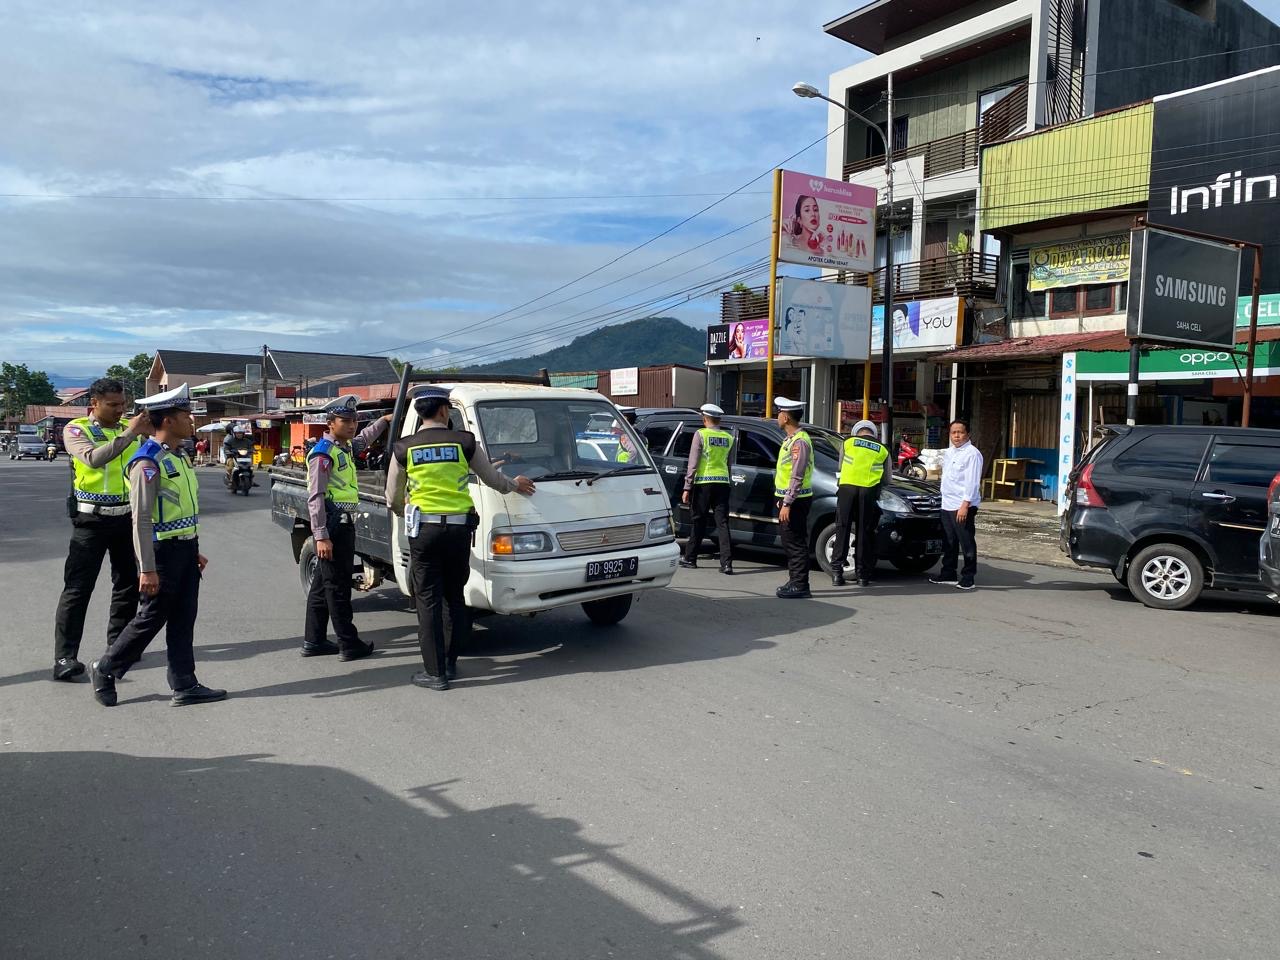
(172, 608)
(329, 598)
(795, 541)
(93, 538)
(709, 501)
(857, 509)
(958, 538)
(441, 555)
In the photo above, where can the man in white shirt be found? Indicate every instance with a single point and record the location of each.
(961, 494)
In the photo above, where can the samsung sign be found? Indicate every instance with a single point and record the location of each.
(1182, 289)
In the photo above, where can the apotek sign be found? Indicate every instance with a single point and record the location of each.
(826, 223)
(1182, 289)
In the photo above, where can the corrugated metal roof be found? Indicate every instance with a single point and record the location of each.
(202, 364)
(586, 381)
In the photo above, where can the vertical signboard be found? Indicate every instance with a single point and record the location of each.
(1066, 429)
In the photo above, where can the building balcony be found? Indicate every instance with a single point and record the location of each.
(955, 275)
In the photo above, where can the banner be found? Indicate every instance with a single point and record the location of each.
(1182, 289)
(744, 340)
(817, 319)
(1268, 310)
(1076, 263)
(624, 382)
(922, 325)
(826, 223)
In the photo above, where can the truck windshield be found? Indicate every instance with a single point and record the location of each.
(559, 439)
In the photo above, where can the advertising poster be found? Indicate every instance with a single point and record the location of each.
(624, 381)
(826, 223)
(744, 340)
(1079, 262)
(921, 325)
(817, 319)
(1183, 289)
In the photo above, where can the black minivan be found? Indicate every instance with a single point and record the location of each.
(1173, 510)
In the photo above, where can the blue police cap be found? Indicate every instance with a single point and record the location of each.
(431, 393)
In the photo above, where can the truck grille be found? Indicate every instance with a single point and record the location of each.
(608, 537)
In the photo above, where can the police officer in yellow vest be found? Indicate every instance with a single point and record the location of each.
(99, 446)
(165, 496)
(793, 488)
(706, 487)
(625, 452)
(863, 472)
(427, 479)
(332, 496)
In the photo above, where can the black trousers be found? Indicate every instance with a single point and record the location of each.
(958, 538)
(329, 598)
(173, 608)
(709, 501)
(795, 541)
(857, 508)
(92, 538)
(441, 555)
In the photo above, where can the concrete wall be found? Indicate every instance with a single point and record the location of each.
(1140, 32)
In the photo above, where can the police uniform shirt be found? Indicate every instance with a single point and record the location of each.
(799, 463)
(318, 469)
(397, 477)
(144, 487)
(80, 445)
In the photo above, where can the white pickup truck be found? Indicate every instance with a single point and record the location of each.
(597, 531)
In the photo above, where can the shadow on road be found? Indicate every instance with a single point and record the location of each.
(243, 857)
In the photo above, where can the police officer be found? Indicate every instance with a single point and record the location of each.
(793, 488)
(99, 447)
(332, 497)
(164, 494)
(626, 449)
(427, 481)
(863, 473)
(706, 487)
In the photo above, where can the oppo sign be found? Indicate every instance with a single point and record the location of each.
(1192, 359)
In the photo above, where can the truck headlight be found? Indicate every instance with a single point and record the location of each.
(661, 528)
(518, 544)
(892, 503)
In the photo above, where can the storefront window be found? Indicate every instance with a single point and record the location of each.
(1025, 304)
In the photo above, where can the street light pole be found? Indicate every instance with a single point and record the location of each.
(809, 91)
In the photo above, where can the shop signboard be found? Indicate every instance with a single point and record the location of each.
(1076, 263)
(826, 223)
(921, 325)
(1066, 427)
(1268, 310)
(817, 319)
(1190, 363)
(624, 382)
(1182, 289)
(738, 342)
(1213, 163)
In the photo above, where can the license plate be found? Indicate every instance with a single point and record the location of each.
(612, 569)
(933, 546)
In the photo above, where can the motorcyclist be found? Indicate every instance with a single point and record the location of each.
(239, 444)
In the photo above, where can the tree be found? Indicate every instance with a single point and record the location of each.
(133, 375)
(22, 387)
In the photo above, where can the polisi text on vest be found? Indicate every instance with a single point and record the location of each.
(1192, 291)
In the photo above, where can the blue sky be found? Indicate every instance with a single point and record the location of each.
(325, 175)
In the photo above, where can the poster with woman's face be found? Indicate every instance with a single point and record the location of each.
(826, 223)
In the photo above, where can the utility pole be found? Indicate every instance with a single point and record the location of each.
(264, 378)
(886, 356)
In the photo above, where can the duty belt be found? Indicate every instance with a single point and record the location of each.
(446, 519)
(102, 510)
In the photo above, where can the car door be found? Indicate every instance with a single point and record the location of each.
(657, 436)
(1229, 502)
(752, 518)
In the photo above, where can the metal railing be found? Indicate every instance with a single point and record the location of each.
(958, 152)
(955, 275)
(1005, 117)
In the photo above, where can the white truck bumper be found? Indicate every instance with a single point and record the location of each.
(529, 586)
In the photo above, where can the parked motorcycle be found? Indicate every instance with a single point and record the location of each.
(239, 475)
(909, 463)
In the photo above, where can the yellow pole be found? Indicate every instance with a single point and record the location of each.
(773, 283)
(866, 364)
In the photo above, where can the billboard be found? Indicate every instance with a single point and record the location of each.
(921, 325)
(1182, 289)
(744, 340)
(1214, 164)
(826, 223)
(817, 319)
(1074, 263)
(624, 382)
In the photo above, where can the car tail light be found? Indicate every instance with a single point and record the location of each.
(1271, 490)
(1087, 494)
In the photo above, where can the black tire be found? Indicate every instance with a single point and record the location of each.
(307, 561)
(917, 472)
(823, 543)
(1166, 576)
(607, 611)
(916, 564)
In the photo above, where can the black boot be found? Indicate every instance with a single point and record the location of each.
(837, 576)
(104, 686)
(424, 679)
(689, 564)
(67, 668)
(197, 694)
(727, 568)
(325, 649)
(357, 653)
(793, 591)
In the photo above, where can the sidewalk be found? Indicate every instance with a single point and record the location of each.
(1025, 530)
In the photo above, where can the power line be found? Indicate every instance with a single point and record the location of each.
(287, 198)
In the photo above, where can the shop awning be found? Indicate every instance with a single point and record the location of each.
(1028, 348)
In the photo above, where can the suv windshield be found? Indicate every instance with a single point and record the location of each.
(559, 439)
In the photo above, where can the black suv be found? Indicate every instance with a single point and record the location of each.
(910, 532)
(1172, 510)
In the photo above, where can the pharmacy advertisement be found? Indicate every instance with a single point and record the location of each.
(826, 223)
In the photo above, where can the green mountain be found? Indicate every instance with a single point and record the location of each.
(638, 343)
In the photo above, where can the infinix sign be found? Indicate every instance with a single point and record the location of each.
(1235, 187)
(1182, 289)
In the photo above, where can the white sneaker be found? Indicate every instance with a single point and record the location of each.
(966, 586)
(945, 581)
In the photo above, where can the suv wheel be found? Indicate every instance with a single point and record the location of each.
(824, 547)
(1166, 576)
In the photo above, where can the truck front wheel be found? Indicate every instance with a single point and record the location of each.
(608, 611)
(307, 563)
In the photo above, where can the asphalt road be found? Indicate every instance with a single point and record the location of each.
(1040, 769)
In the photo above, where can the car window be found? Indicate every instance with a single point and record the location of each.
(657, 434)
(823, 444)
(684, 442)
(1162, 456)
(756, 449)
(1250, 464)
